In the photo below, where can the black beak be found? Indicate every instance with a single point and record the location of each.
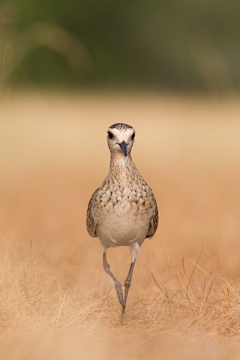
(123, 146)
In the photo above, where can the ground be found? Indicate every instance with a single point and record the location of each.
(56, 300)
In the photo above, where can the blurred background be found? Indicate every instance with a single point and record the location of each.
(69, 70)
(171, 69)
(178, 45)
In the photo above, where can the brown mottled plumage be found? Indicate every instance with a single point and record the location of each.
(123, 210)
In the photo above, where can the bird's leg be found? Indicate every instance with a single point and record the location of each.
(118, 285)
(127, 285)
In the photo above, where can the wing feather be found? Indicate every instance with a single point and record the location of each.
(91, 224)
(153, 223)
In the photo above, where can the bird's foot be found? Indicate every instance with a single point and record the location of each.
(123, 312)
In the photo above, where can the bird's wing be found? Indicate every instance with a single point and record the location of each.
(91, 224)
(153, 223)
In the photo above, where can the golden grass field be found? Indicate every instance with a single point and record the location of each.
(56, 301)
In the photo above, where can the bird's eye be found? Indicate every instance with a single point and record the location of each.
(133, 136)
(110, 135)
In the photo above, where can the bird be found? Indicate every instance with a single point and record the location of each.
(123, 210)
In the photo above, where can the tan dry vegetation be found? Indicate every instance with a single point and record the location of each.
(56, 302)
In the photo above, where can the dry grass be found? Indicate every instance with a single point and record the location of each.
(32, 295)
(56, 302)
(189, 314)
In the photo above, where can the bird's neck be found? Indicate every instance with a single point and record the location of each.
(120, 165)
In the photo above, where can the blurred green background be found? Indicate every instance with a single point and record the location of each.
(180, 45)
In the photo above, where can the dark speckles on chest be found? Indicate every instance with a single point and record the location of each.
(120, 199)
(124, 191)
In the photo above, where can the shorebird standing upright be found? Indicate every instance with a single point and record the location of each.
(123, 210)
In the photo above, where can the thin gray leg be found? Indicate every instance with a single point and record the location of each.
(118, 286)
(127, 286)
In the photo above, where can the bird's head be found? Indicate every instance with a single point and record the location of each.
(120, 139)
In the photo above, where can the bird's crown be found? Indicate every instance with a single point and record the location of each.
(120, 126)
